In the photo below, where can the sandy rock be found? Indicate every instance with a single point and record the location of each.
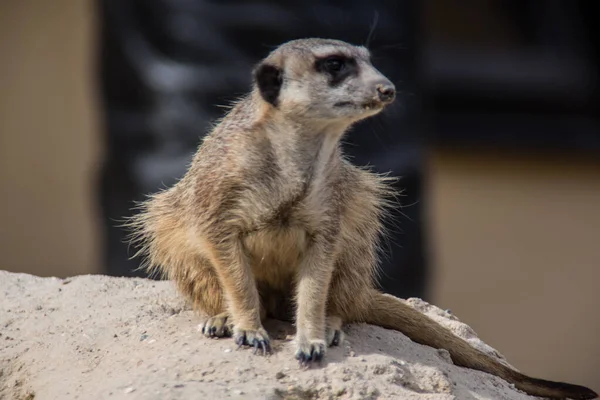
(96, 337)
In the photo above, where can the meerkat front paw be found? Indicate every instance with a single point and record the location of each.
(259, 339)
(309, 350)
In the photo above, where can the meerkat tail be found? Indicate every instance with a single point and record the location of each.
(391, 313)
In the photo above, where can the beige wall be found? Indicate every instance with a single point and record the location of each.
(516, 242)
(48, 141)
(518, 257)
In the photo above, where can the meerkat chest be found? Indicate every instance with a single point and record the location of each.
(275, 253)
(277, 248)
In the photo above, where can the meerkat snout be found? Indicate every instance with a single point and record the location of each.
(386, 91)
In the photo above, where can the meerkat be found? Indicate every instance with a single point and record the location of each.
(271, 220)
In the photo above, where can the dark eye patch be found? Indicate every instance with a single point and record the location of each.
(338, 67)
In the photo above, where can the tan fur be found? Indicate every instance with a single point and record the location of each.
(271, 220)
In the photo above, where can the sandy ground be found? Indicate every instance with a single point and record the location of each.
(96, 337)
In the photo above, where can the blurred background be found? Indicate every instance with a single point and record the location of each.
(496, 134)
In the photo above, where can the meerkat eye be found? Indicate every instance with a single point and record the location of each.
(334, 64)
(337, 67)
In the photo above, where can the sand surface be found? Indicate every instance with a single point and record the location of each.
(97, 337)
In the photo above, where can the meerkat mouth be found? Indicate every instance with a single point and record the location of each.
(367, 106)
(372, 105)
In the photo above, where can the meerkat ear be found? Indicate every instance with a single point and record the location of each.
(268, 78)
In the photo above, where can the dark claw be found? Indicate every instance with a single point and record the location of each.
(318, 356)
(258, 344)
(240, 341)
(336, 339)
(261, 345)
(303, 358)
(203, 328)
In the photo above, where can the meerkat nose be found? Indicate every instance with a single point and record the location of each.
(386, 91)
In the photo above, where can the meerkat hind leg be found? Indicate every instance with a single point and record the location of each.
(334, 333)
(218, 326)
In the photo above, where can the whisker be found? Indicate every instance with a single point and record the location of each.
(372, 28)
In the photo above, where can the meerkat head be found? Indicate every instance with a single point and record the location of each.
(320, 79)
